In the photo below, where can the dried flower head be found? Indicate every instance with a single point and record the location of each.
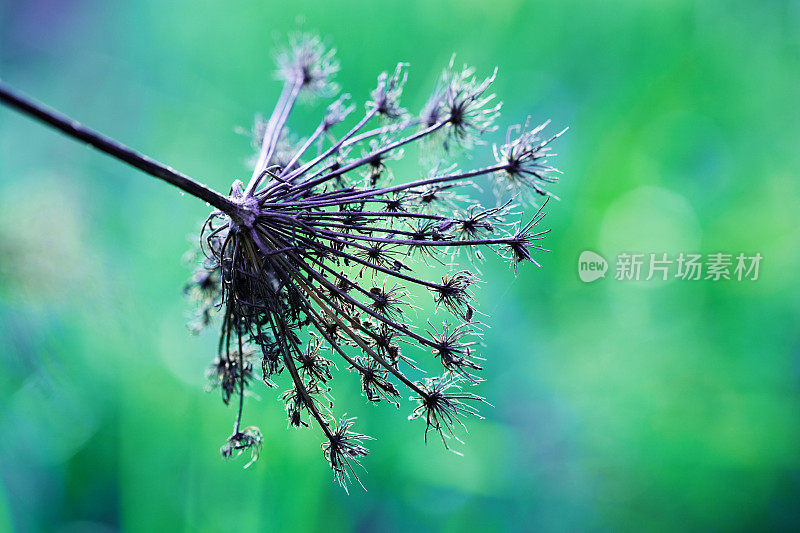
(442, 403)
(343, 450)
(524, 156)
(317, 259)
(249, 438)
(308, 65)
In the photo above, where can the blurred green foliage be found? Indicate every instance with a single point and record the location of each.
(617, 406)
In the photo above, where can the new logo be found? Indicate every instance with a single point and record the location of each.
(591, 266)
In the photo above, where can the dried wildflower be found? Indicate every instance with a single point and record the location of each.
(227, 372)
(343, 450)
(457, 356)
(308, 65)
(467, 106)
(524, 240)
(442, 403)
(204, 291)
(315, 258)
(454, 295)
(337, 112)
(249, 438)
(386, 96)
(524, 158)
(375, 382)
(311, 364)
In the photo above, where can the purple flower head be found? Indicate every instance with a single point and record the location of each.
(325, 253)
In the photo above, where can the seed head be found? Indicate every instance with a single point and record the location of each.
(308, 65)
(320, 257)
(443, 404)
(249, 438)
(386, 96)
(343, 451)
(524, 158)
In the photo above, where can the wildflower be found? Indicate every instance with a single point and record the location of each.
(249, 438)
(442, 403)
(307, 244)
(316, 257)
(312, 365)
(467, 106)
(337, 112)
(204, 290)
(524, 240)
(307, 65)
(457, 356)
(524, 159)
(374, 381)
(343, 450)
(230, 370)
(453, 294)
(386, 96)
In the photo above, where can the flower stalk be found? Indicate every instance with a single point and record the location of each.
(74, 129)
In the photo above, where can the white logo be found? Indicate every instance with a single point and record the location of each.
(591, 266)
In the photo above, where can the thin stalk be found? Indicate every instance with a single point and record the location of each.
(273, 133)
(311, 164)
(77, 131)
(369, 157)
(309, 142)
(241, 387)
(381, 130)
(368, 195)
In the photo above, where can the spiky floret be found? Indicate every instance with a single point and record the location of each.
(386, 96)
(248, 439)
(454, 294)
(469, 109)
(226, 371)
(456, 354)
(343, 450)
(317, 263)
(312, 365)
(308, 65)
(375, 382)
(524, 156)
(443, 404)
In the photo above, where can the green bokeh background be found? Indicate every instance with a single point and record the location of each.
(617, 405)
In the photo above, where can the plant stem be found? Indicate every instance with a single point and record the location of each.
(77, 131)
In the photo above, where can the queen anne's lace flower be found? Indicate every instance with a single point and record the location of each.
(325, 250)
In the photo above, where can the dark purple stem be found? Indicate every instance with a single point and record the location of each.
(111, 147)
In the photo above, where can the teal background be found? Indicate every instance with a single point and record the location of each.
(617, 405)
